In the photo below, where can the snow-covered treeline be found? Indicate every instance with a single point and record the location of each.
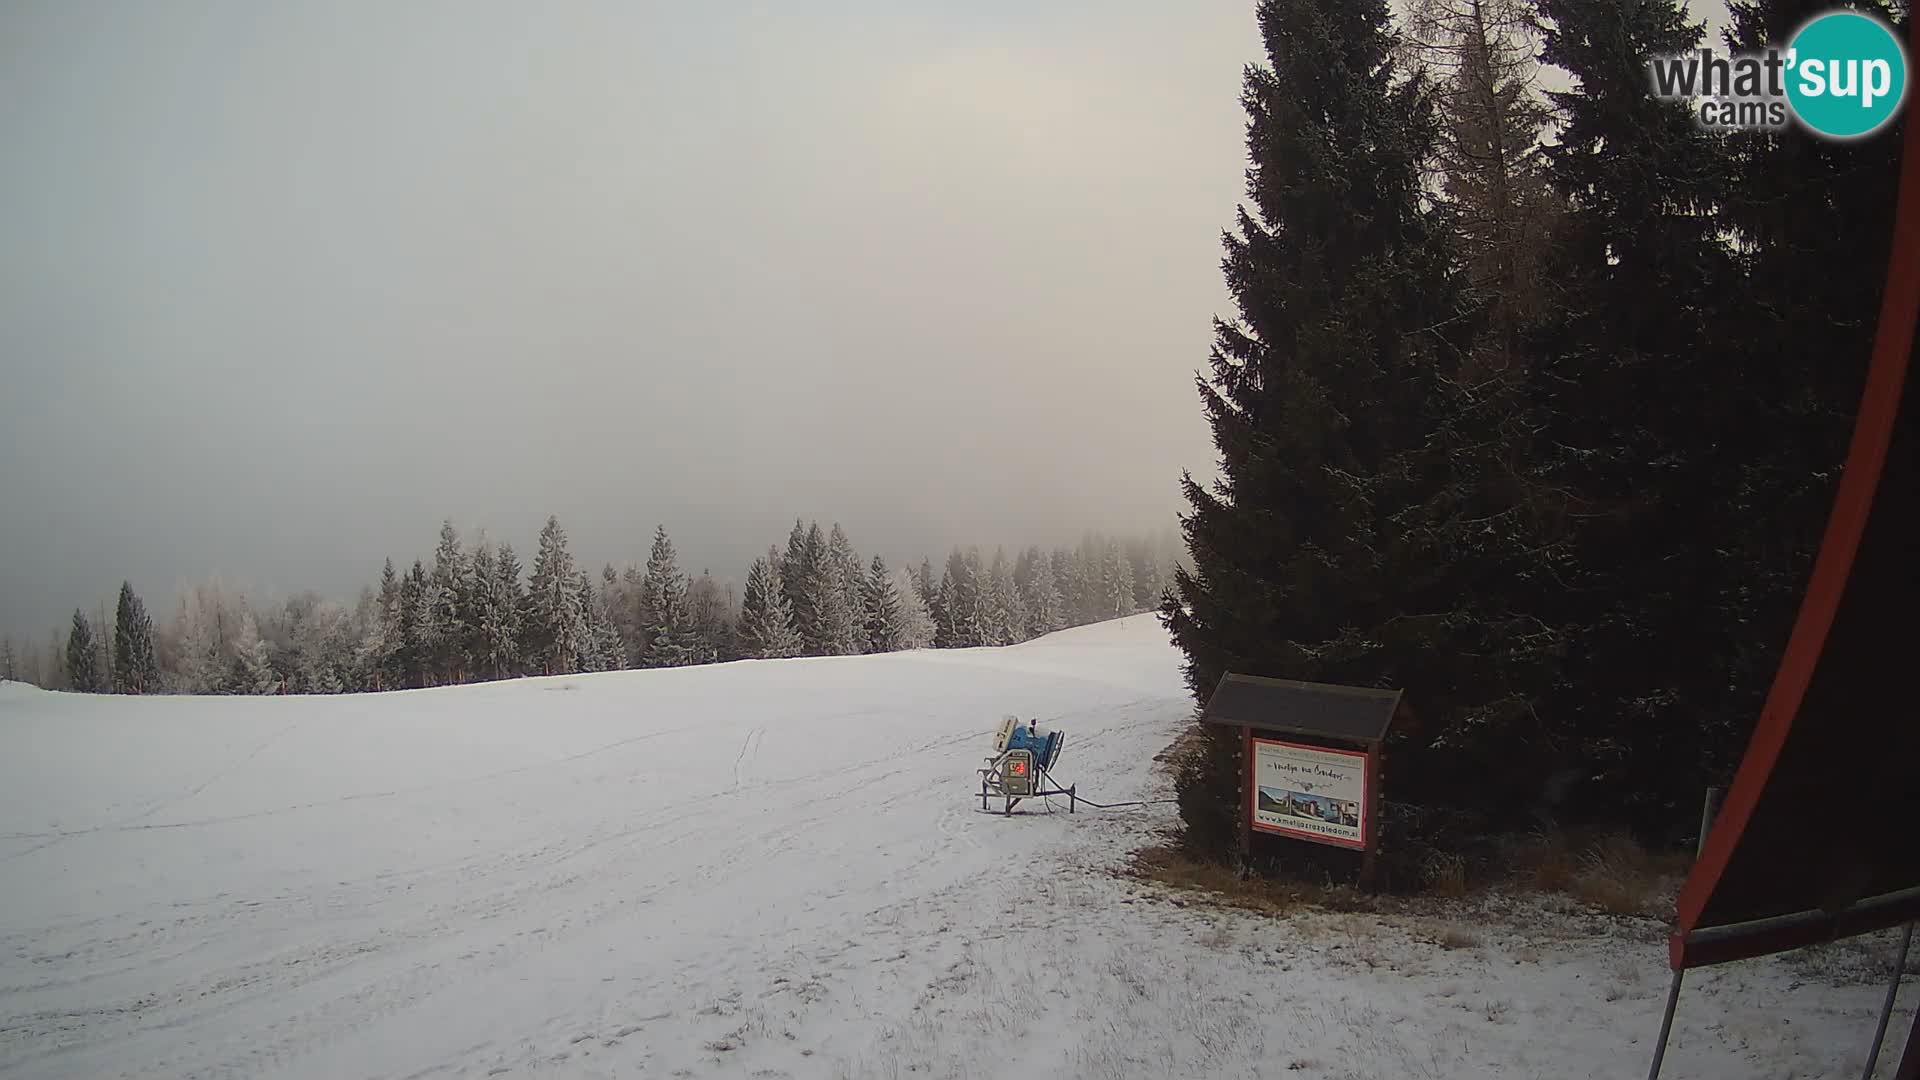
(474, 612)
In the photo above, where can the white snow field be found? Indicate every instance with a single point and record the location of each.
(762, 869)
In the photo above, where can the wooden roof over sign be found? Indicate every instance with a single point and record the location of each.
(1355, 713)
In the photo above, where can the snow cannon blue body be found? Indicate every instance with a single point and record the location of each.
(1043, 745)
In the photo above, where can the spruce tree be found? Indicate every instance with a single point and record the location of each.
(1315, 396)
(766, 618)
(708, 620)
(1002, 622)
(1639, 416)
(504, 624)
(422, 630)
(83, 658)
(1043, 603)
(201, 669)
(136, 668)
(9, 662)
(554, 623)
(930, 593)
(663, 595)
(1116, 583)
(387, 645)
(253, 671)
(880, 603)
(450, 620)
(916, 619)
(599, 645)
(850, 635)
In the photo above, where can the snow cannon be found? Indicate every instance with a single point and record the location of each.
(1044, 745)
(1021, 765)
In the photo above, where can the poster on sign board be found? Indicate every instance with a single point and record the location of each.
(1310, 792)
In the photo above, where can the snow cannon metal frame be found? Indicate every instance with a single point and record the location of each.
(1020, 768)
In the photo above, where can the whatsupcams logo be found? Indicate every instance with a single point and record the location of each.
(1843, 75)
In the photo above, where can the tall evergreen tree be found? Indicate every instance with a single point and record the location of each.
(930, 594)
(136, 668)
(554, 624)
(504, 623)
(387, 646)
(253, 671)
(83, 658)
(1484, 57)
(916, 619)
(202, 668)
(1043, 604)
(1316, 389)
(1634, 416)
(880, 603)
(1116, 582)
(797, 579)
(450, 620)
(9, 662)
(850, 635)
(709, 620)
(766, 617)
(1002, 622)
(422, 630)
(664, 597)
(599, 644)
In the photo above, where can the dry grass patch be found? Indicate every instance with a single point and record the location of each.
(1608, 871)
(1458, 937)
(1167, 865)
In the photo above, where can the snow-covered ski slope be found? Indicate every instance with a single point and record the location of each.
(769, 868)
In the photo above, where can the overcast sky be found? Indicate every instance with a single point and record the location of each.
(283, 285)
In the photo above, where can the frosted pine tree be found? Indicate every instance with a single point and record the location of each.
(819, 609)
(1043, 598)
(555, 625)
(1116, 583)
(794, 581)
(600, 644)
(880, 602)
(502, 626)
(709, 615)
(766, 618)
(423, 629)
(663, 596)
(916, 621)
(252, 662)
(1006, 622)
(850, 579)
(320, 654)
(136, 667)
(449, 621)
(930, 595)
(200, 670)
(83, 658)
(9, 662)
(1062, 562)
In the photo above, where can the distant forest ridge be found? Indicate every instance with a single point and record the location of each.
(470, 613)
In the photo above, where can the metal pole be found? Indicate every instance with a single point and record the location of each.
(1666, 1026)
(1708, 808)
(1886, 1011)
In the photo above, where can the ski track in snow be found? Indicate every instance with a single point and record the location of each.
(767, 869)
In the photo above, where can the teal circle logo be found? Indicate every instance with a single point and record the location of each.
(1847, 74)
